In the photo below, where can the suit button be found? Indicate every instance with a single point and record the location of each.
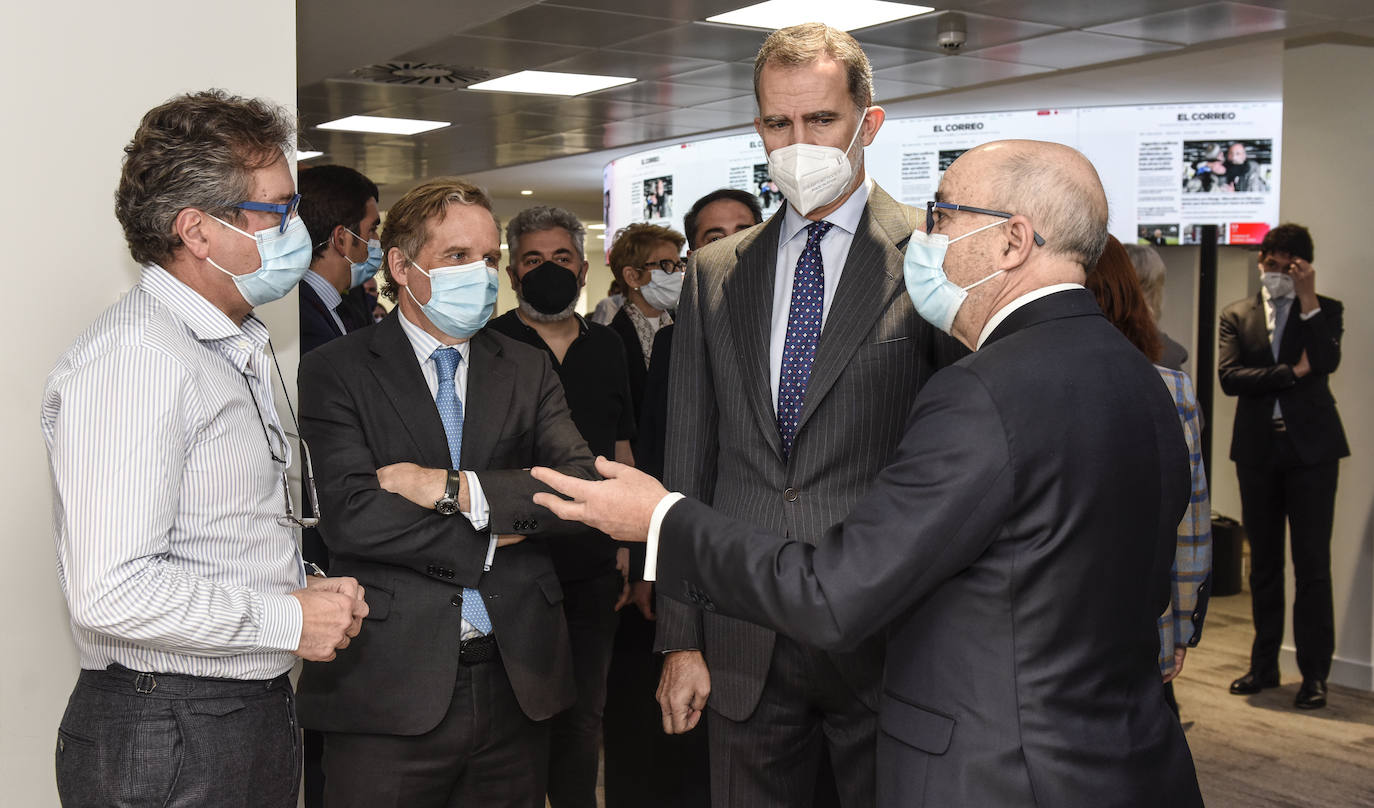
(534, 524)
(790, 495)
(429, 570)
(456, 600)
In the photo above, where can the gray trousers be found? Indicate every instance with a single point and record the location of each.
(135, 739)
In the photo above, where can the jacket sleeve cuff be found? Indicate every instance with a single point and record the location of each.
(655, 525)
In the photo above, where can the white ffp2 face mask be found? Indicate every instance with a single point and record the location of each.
(812, 176)
(1279, 284)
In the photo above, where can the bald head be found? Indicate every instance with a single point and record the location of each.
(1052, 185)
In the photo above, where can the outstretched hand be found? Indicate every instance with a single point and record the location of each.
(619, 506)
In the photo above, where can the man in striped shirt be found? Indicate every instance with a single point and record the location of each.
(176, 542)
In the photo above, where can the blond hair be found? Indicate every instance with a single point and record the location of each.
(407, 221)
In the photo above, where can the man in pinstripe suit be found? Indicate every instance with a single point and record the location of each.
(798, 356)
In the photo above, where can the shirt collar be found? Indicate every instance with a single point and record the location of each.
(846, 216)
(1028, 297)
(1269, 299)
(204, 318)
(329, 296)
(424, 343)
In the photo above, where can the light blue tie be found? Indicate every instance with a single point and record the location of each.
(451, 413)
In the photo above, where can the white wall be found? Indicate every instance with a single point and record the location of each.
(76, 82)
(1328, 115)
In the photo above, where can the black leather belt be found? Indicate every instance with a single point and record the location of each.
(477, 650)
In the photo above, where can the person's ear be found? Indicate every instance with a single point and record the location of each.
(873, 121)
(514, 277)
(341, 241)
(399, 266)
(582, 275)
(1020, 236)
(190, 226)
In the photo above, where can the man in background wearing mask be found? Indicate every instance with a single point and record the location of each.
(547, 271)
(980, 547)
(176, 544)
(796, 360)
(339, 207)
(1277, 352)
(423, 426)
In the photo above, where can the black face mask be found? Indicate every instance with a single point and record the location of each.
(549, 287)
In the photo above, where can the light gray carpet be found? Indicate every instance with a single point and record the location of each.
(1260, 751)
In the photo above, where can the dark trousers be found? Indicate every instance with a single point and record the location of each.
(141, 739)
(1280, 490)
(808, 713)
(575, 733)
(644, 765)
(484, 751)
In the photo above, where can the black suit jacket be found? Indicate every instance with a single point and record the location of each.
(723, 445)
(1246, 365)
(364, 405)
(317, 327)
(634, 359)
(1015, 554)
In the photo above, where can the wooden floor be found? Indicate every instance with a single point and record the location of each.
(1260, 751)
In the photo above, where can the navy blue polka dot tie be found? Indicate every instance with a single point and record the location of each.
(451, 413)
(803, 332)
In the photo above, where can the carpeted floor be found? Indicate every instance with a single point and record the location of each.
(1259, 751)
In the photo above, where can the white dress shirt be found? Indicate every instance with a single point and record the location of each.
(425, 344)
(329, 296)
(161, 432)
(834, 251)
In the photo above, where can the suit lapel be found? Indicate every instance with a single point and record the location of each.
(1257, 330)
(490, 387)
(749, 298)
(872, 277)
(398, 374)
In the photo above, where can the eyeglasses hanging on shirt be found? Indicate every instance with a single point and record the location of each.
(277, 447)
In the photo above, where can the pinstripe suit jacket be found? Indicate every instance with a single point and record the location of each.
(722, 439)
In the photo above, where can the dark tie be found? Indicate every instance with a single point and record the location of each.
(803, 332)
(451, 413)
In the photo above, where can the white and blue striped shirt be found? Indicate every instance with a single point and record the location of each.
(166, 490)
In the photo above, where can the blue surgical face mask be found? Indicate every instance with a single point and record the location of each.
(367, 267)
(936, 298)
(285, 258)
(461, 298)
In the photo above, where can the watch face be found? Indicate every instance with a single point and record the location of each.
(446, 506)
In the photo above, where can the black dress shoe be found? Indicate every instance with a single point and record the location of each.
(1312, 695)
(1252, 683)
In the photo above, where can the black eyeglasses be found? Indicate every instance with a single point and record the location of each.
(932, 206)
(287, 211)
(667, 266)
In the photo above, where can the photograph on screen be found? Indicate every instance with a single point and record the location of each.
(770, 196)
(1157, 234)
(947, 158)
(1192, 233)
(1227, 166)
(658, 198)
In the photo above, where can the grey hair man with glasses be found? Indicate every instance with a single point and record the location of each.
(176, 534)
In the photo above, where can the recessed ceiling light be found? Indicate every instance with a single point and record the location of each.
(382, 126)
(546, 83)
(307, 155)
(527, 193)
(846, 16)
(596, 227)
(602, 236)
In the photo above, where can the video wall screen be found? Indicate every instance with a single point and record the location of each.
(1168, 169)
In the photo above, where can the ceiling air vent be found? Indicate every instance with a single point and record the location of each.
(421, 74)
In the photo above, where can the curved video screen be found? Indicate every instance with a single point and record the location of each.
(1168, 169)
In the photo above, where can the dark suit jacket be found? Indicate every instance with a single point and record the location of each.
(364, 405)
(723, 446)
(653, 409)
(1015, 555)
(317, 327)
(1245, 363)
